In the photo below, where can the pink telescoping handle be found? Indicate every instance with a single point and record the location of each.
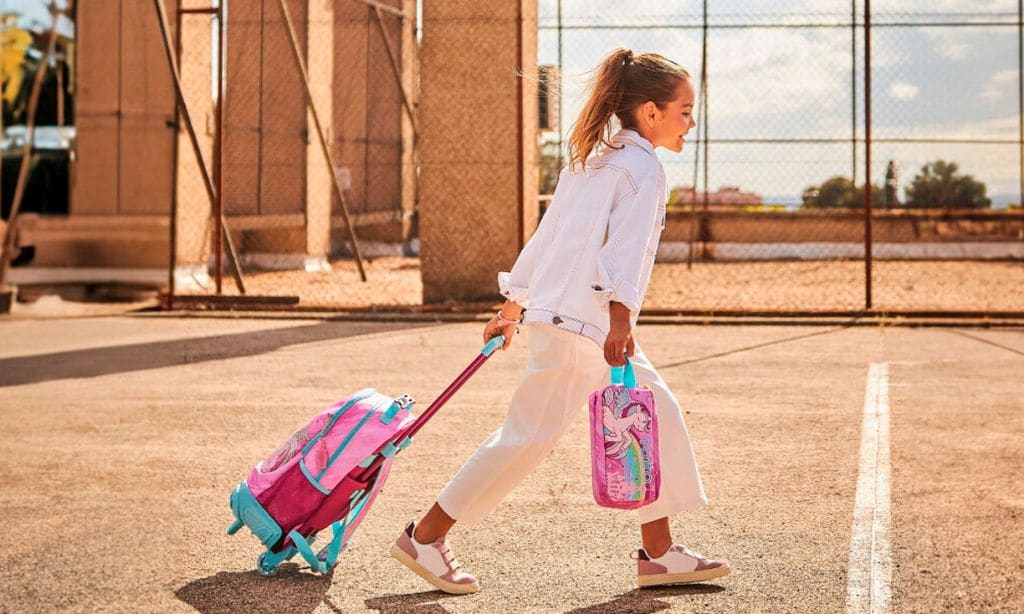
(448, 393)
(452, 388)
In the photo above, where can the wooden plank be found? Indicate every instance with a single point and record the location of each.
(262, 222)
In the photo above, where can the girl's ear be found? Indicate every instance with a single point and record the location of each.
(649, 113)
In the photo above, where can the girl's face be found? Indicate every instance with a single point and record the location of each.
(668, 127)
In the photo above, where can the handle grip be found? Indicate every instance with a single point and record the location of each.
(492, 345)
(624, 375)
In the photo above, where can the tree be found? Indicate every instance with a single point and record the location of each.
(839, 193)
(939, 185)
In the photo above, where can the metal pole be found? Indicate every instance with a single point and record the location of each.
(520, 131)
(218, 167)
(560, 81)
(705, 232)
(26, 153)
(700, 141)
(61, 118)
(180, 94)
(173, 247)
(1020, 91)
(853, 91)
(60, 93)
(304, 74)
(867, 155)
(696, 170)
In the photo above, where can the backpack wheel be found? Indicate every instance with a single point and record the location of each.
(322, 554)
(267, 567)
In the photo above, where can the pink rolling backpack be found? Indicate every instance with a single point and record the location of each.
(329, 472)
(624, 442)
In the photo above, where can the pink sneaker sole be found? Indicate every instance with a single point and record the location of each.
(682, 578)
(449, 587)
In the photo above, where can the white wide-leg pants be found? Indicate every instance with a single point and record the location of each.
(563, 370)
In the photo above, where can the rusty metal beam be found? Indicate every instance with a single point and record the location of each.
(398, 73)
(190, 128)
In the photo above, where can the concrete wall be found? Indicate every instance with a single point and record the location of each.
(845, 227)
(124, 108)
(471, 210)
(126, 140)
(278, 194)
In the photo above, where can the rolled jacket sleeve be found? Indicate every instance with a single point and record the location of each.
(630, 230)
(515, 284)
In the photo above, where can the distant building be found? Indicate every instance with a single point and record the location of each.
(726, 197)
(548, 97)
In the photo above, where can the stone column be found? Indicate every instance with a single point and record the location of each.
(319, 188)
(473, 212)
(410, 80)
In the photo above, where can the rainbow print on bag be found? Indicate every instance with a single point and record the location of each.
(624, 443)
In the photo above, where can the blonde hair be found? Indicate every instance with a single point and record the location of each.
(623, 82)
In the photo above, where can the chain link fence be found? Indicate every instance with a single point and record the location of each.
(291, 185)
(767, 204)
(767, 209)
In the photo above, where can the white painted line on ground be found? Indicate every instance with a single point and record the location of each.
(869, 571)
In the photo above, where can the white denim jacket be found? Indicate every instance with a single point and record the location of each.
(596, 242)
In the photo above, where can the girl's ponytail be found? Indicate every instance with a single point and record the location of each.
(605, 100)
(622, 82)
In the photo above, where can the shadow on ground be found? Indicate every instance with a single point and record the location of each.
(758, 346)
(412, 603)
(290, 590)
(141, 356)
(644, 600)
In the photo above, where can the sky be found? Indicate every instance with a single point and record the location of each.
(928, 81)
(36, 15)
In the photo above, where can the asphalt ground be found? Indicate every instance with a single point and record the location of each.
(121, 437)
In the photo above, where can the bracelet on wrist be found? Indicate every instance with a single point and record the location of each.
(503, 321)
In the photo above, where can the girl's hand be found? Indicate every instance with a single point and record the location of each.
(617, 345)
(505, 322)
(619, 342)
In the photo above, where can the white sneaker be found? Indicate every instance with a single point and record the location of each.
(678, 565)
(434, 562)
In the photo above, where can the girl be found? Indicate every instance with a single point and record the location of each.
(583, 276)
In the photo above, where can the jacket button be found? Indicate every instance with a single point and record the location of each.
(556, 320)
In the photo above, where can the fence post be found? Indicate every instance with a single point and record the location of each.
(867, 154)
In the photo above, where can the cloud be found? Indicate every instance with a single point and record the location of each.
(999, 85)
(901, 90)
(779, 70)
(950, 44)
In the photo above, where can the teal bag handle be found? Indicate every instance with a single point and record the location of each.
(625, 375)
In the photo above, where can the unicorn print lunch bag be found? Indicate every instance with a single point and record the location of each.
(624, 442)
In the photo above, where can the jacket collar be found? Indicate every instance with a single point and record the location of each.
(632, 136)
